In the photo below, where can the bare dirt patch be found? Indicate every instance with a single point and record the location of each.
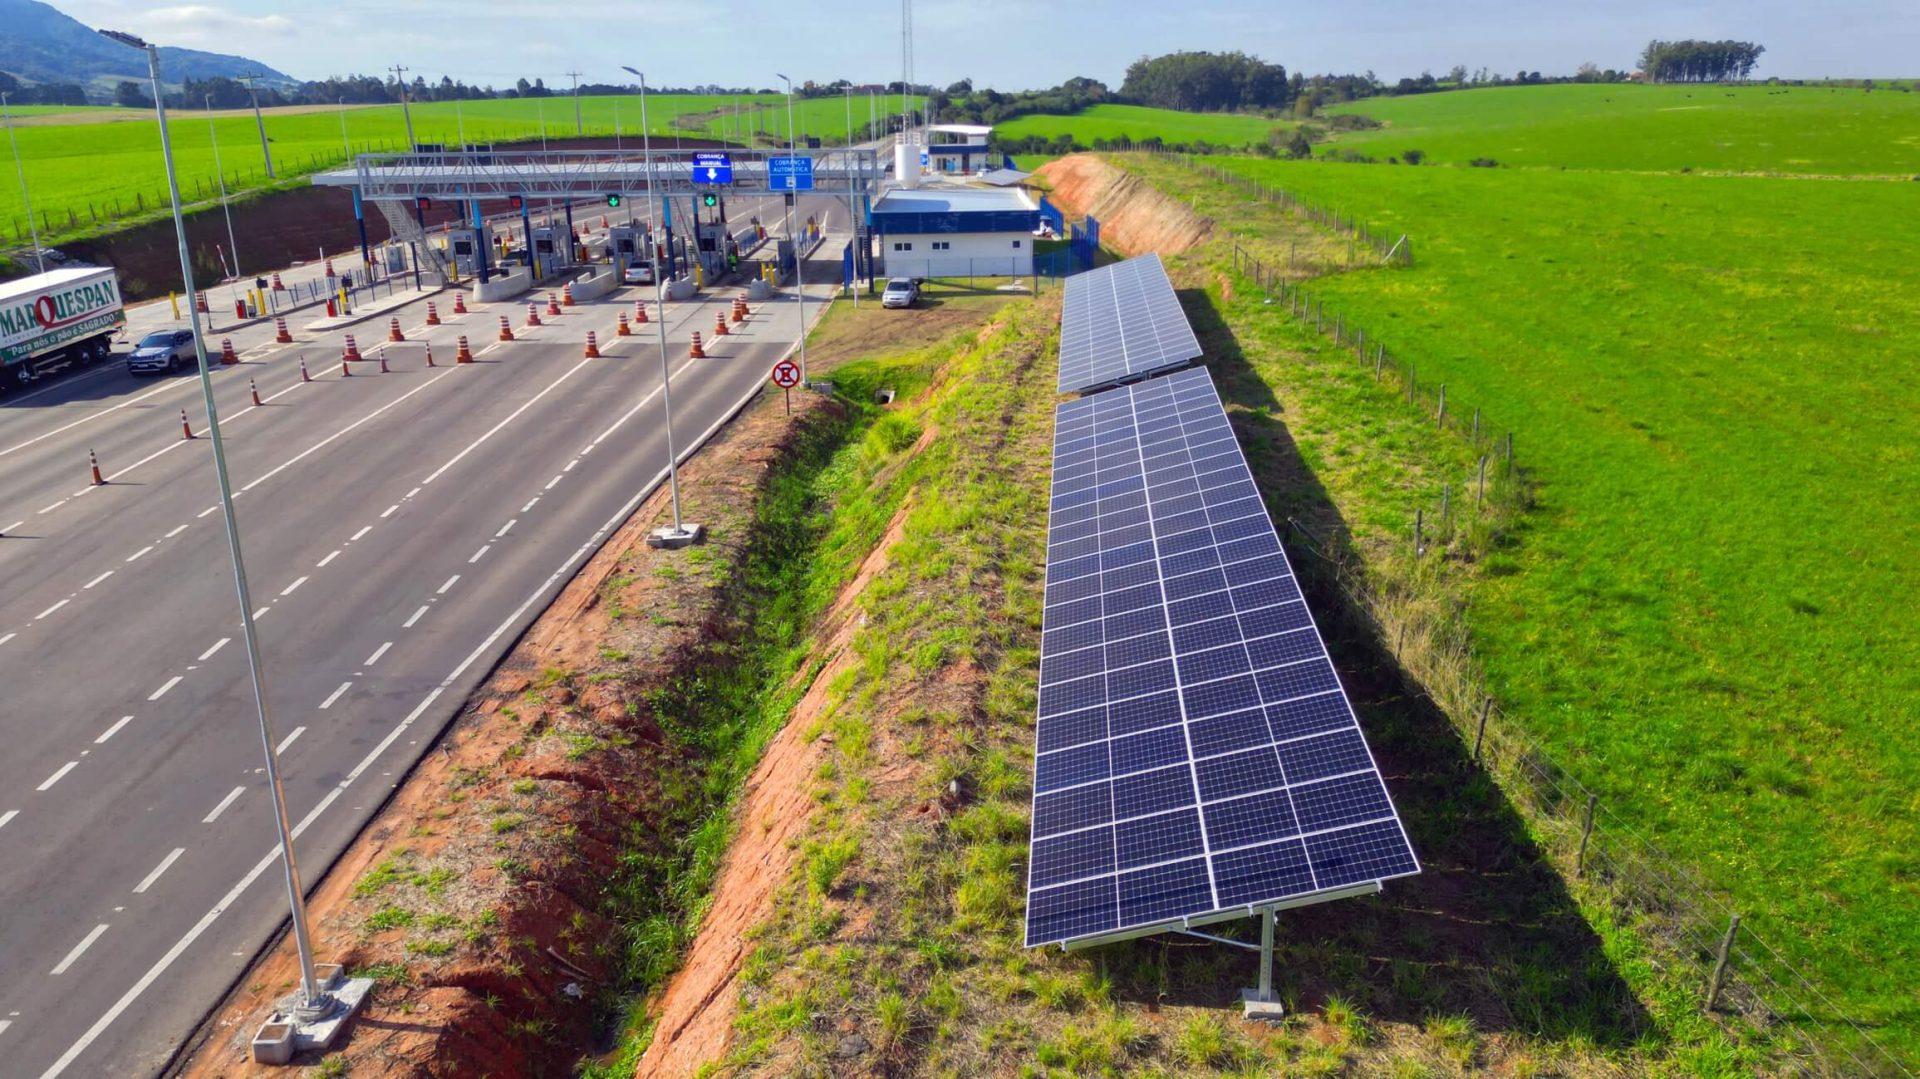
(476, 894)
(1135, 217)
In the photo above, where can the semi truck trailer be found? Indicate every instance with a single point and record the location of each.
(61, 318)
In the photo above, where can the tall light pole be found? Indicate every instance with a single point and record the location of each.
(259, 123)
(853, 214)
(400, 78)
(799, 275)
(578, 128)
(233, 245)
(344, 144)
(39, 263)
(681, 533)
(315, 1003)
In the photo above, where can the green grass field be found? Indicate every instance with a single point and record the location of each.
(1709, 618)
(83, 168)
(1138, 122)
(1796, 129)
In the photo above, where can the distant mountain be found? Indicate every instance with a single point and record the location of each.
(39, 43)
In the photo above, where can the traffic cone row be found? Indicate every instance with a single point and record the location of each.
(719, 324)
(459, 303)
(228, 357)
(622, 329)
(566, 294)
(640, 312)
(281, 334)
(465, 355)
(593, 347)
(553, 304)
(433, 314)
(533, 314)
(696, 352)
(506, 331)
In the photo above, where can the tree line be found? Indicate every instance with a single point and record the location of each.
(1699, 61)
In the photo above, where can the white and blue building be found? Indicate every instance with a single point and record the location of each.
(952, 231)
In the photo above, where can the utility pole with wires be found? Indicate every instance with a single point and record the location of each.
(578, 128)
(254, 94)
(400, 78)
(39, 263)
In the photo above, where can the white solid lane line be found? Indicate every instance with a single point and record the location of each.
(7, 816)
(78, 949)
(58, 775)
(96, 580)
(479, 554)
(165, 864)
(162, 691)
(451, 581)
(377, 653)
(222, 807)
(289, 739)
(113, 730)
(217, 646)
(335, 695)
(415, 617)
(289, 590)
(51, 609)
(135, 556)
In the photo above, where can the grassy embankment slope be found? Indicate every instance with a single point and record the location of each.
(1809, 130)
(1709, 619)
(1138, 122)
(89, 168)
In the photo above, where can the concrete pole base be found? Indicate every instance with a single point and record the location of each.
(672, 539)
(297, 1027)
(1262, 1007)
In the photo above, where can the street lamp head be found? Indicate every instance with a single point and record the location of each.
(124, 38)
(631, 70)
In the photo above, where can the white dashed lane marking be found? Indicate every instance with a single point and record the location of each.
(165, 864)
(79, 949)
(217, 646)
(113, 730)
(59, 774)
(415, 617)
(377, 653)
(289, 739)
(335, 695)
(162, 691)
(232, 795)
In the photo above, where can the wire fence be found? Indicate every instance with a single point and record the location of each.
(1740, 976)
(1390, 248)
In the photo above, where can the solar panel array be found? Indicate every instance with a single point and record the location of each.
(1119, 323)
(1196, 752)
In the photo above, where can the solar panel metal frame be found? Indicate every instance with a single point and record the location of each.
(1121, 323)
(1291, 653)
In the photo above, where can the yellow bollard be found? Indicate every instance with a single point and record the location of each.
(174, 299)
(699, 276)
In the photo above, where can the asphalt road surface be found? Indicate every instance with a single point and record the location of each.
(401, 529)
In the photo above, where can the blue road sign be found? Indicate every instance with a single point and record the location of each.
(712, 169)
(790, 173)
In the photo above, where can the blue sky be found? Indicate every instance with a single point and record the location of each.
(999, 42)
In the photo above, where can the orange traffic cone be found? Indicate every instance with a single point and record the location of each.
(719, 324)
(566, 294)
(696, 352)
(277, 286)
(304, 377)
(228, 357)
(593, 347)
(433, 314)
(383, 361)
(255, 388)
(345, 371)
(506, 331)
(282, 335)
(739, 309)
(393, 330)
(200, 302)
(622, 329)
(533, 314)
(330, 272)
(186, 429)
(640, 312)
(465, 355)
(553, 304)
(603, 220)
(352, 352)
(459, 303)
(430, 362)
(94, 463)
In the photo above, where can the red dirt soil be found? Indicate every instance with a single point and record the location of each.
(1135, 217)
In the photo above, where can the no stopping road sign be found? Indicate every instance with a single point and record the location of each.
(786, 374)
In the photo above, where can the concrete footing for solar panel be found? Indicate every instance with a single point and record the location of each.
(1261, 1003)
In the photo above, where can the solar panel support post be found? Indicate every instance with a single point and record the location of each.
(1260, 1002)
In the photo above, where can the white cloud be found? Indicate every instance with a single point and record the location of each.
(205, 26)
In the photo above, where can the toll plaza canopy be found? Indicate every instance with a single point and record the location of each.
(490, 174)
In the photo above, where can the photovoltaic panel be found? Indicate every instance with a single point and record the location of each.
(1119, 323)
(1196, 754)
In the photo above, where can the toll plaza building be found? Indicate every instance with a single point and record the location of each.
(952, 231)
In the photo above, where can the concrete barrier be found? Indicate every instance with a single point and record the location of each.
(501, 286)
(758, 290)
(681, 288)
(596, 286)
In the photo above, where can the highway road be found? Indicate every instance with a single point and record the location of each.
(401, 530)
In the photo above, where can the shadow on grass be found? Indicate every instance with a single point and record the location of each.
(1487, 930)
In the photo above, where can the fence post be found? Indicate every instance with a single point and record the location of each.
(1440, 417)
(1379, 361)
(1476, 425)
(1446, 503)
(1419, 524)
(1480, 498)
(1480, 732)
(1586, 833)
(1719, 979)
(1509, 453)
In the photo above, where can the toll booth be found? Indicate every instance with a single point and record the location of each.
(552, 247)
(711, 243)
(469, 249)
(625, 243)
